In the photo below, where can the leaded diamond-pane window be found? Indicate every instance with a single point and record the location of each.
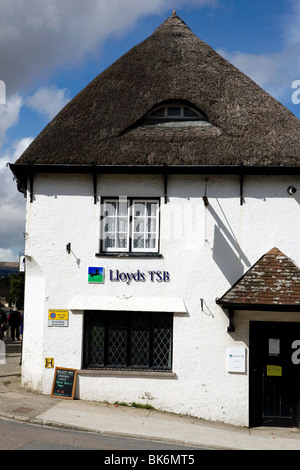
(95, 340)
(128, 340)
(162, 339)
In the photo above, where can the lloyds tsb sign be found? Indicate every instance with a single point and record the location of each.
(96, 275)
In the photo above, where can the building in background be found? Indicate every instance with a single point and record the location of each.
(162, 238)
(7, 269)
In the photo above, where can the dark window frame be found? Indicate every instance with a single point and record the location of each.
(184, 112)
(158, 359)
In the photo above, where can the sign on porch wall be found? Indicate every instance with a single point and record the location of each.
(236, 360)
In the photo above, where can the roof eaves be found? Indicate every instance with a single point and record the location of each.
(258, 306)
(21, 171)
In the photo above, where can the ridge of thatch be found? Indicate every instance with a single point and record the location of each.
(104, 124)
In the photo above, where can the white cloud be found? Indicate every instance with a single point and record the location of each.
(38, 35)
(7, 255)
(48, 100)
(291, 25)
(12, 205)
(15, 151)
(275, 72)
(9, 114)
(12, 217)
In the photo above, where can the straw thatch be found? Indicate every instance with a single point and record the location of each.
(105, 123)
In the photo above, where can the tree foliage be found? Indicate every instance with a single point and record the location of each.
(16, 290)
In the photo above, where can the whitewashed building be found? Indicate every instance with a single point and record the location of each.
(162, 239)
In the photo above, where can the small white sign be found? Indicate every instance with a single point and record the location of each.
(237, 359)
(22, 263)
(274, 347)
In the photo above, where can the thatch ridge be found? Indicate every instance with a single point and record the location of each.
(104, 123)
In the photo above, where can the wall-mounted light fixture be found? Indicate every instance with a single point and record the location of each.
(291, 190)
(68, 248)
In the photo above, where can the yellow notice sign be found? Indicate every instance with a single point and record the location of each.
(58, 317)
(49, 362)
(274, 370)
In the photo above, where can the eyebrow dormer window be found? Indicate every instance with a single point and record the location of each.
(176, 114)
(173, 111)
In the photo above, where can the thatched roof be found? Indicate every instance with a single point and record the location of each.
(105, 123)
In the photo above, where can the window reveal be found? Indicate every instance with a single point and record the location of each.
(130, 225)
(128, 340)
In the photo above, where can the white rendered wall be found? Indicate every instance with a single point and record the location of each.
(205, 250)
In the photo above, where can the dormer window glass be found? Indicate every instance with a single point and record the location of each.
(174, 111)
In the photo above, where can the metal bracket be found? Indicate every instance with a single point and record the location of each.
(30, 168)
(241, 186)
(231, 327)
(95, 184)
(205, 200)
(166, 186)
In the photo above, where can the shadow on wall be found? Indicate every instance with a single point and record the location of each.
(227, 252)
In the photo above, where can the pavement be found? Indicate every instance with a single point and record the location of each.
(19, 404)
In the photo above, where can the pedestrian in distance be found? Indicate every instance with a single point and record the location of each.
(3, 323)
(3, 327)
(14, 319)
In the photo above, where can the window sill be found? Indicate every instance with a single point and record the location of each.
(129, 255)
(126, 373)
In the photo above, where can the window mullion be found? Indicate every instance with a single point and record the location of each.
(130, 225)
(128, 352)
(106, 340)
(151, 342)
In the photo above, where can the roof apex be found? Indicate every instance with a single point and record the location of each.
(172, 22)
(174, 19)
(246, 125)
(274, 251)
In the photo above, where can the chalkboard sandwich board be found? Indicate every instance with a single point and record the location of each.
(64, 383)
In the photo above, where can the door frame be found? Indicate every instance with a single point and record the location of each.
(261, 381)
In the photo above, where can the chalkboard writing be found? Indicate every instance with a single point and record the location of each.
(64, 383)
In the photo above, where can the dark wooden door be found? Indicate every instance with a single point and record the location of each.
(274, 369)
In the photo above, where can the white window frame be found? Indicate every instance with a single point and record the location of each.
(115, 231)
(145, 219)
(181, 116)
(131, 226)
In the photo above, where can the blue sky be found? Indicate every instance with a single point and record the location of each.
(51, 49)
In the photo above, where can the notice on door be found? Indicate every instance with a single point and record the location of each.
(274, 347)
(275, 371)
(236, 359)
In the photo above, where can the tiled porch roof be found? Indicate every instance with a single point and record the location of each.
(274, 280)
